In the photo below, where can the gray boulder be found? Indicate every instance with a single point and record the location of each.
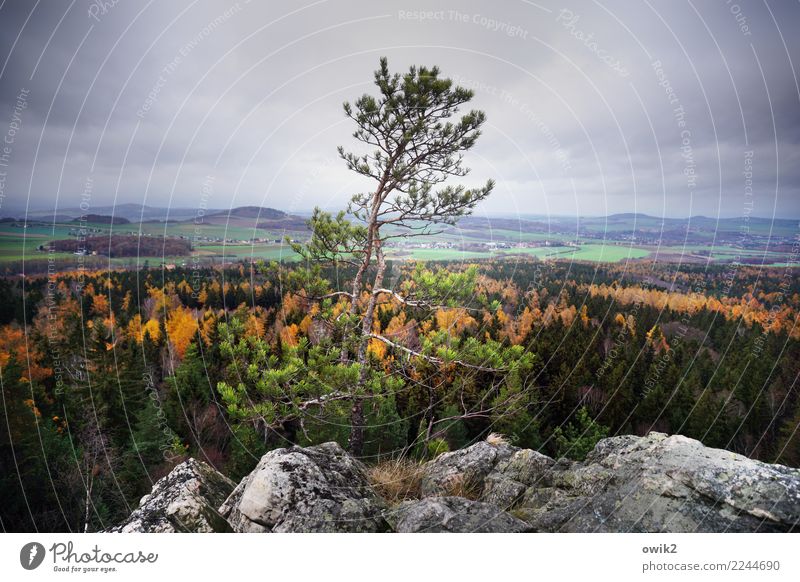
(661, 483)
(183, 501)
(452, 514)
(470, 466)
(506, 484)
(313, 489)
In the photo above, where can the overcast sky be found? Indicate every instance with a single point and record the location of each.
(592, 107)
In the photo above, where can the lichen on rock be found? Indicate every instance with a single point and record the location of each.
(313, 489)
(186, 500)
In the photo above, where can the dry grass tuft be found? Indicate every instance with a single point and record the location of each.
(462, 485)
(396, 480)
(496, 439)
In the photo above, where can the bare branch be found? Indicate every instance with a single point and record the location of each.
(419, 303)
(324, 297)
(433, 359)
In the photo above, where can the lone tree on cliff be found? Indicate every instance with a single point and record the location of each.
(417, 143)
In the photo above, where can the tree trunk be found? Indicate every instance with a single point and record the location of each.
(357, 282)
(430, 415)
(89, 485)
(356, 443)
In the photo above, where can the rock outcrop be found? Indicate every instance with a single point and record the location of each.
(314, 489)
(469, 466)
(186, 500)
(661, 483)
(506, 484)
(656, 483)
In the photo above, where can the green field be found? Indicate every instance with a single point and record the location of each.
(587, 252)
(607, 253)
(215, 243)
(272, 252)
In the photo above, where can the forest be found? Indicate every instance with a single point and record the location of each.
(123, 246)
(110, 379)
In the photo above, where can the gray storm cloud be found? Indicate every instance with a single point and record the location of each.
(593, 107)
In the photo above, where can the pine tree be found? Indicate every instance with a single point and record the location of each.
(579, 437)
(416, 146)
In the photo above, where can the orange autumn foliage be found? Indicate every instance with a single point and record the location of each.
(13, 340)
(455, 321)
(305, 324)
(747, 308)
(516, 330)
(100, 305)
(254, 326)
(153, 329)
(377, 348)
(341, 307)
(181, 329)
(289, 334)
(136, 330)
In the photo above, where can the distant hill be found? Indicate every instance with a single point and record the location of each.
(133, 212)
(630, 215)
(494, 223)
(499, 227)
(256, 217)
(251, 212)
(102, 219)
(240, 216)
